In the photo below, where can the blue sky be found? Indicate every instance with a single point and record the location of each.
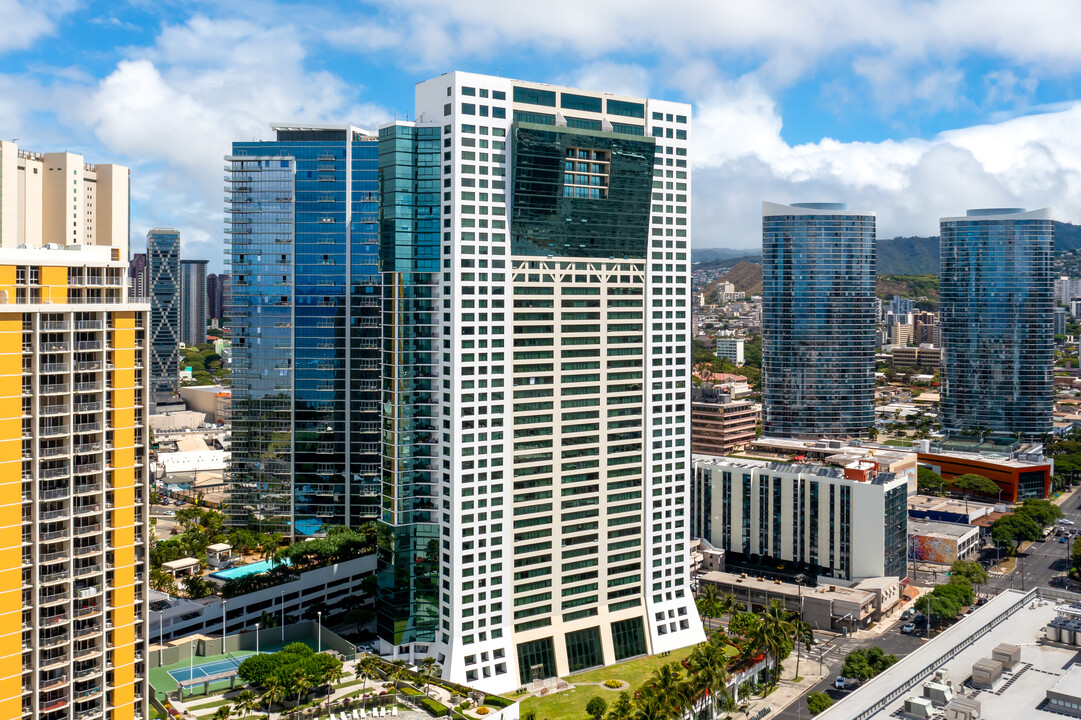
(914, 110)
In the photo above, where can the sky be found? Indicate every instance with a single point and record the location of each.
(912, 109)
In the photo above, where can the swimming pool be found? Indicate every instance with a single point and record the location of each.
(244, 570)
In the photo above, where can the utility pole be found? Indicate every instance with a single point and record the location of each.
(1022, 564)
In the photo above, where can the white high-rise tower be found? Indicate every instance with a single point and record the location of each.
(558, 474)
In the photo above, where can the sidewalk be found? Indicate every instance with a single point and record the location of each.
(788, 691)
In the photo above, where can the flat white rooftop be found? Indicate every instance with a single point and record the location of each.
(1012, 617)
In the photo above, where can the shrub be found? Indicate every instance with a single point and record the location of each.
(614, 684)
(409, 691)
(437, 709)
(596, 707)
(483, 710)
(497, 702)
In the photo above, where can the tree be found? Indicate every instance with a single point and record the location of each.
(223, 713)
(427, 666)
(708, 664)
(1011, 530)
(244, 703)
(622, 708)
(865, 663)
(273, 692)
(708, 601)
(774, 634)
(398, 671)
(301, 683)
(596, 707)
(970, 570)
(1043, 512)
(929, 482)
(1075, 553)
(366, 668)
(817, 702)
(802, 635)
(197, 587)
(971, 483)
(334, 676)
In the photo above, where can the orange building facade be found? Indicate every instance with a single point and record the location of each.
(1017, 479)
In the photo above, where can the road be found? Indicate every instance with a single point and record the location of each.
(892, 641)
(1044, 562)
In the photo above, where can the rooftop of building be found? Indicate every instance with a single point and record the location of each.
(935, 528)
(931, 503)
(1011, 618)
(844, 450)
(825, 471)
(825, 591)
(1009, 458)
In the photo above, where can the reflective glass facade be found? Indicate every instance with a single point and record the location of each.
(818, 320)
(409, 179)
(997, 301)
(163, 271)
(579, 193)
(192, 302)
(305, 315)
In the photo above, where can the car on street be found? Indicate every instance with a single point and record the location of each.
(1062, 539)
(908, 628)
(1065, 521)
(981, 601)
(169, 513)
(839, 683)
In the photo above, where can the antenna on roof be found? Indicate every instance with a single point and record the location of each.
(497, 71)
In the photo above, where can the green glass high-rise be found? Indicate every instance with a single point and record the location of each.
(997, 298)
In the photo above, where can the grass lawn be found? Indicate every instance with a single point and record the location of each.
(571, 704)
(899, 443)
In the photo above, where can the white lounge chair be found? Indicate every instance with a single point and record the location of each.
(356, 716)
(394, 711)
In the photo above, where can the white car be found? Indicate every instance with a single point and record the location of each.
(1065, 521)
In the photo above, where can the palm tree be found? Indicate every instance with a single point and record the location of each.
(301, 683)
(773, 633)
(273, 692)
(398, 670)
(650, 706)
(709, 666)
(802, 634)
(708, 601)
(222, 713)
(621, 709)
(334, 676)
(244, 703)
(366, 668)
(665, 683)
(427, 665)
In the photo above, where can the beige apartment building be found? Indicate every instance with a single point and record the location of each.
(59, 199)
(73, 445)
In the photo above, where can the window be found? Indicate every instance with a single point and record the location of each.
(499, 95)
(535, 118)
(626, 109)
(580, 102)
(534, 96)
(469, 109)
(585, 173)
(468, 91)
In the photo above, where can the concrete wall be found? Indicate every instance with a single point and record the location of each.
(205, 647)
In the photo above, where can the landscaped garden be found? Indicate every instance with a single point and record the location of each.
(665, 686)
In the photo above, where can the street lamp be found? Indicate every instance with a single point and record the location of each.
(319, 621)
(223, 631)
(256, 638)
(282, 596)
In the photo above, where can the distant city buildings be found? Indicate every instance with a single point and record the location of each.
(163, 283)
(138, 277)
(218, 288)
(192, 302)
(997, 321)
(818, 319)
(730, 348)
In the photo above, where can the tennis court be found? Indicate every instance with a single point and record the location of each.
(213, 669)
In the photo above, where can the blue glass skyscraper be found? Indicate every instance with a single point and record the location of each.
(818, 319)
(305, 317)
(997, 326)
(163, 284)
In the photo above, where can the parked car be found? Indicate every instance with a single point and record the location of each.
(1062, 539)
(909, 628)
(981, 601)
(839, 683)
(908, 614)
(170, 513)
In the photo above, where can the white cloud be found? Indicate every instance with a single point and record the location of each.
(172, 111)
(24, 23)
(1031, 161)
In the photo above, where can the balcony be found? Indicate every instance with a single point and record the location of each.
(86, 488)
(87, 611)
(54, 389)
(81, 530)
(54, 346)
(46, 515)
(54, 641)
(84, 550)
(53, 535)
(86, 468)
(55, 577)
(92, 386)
(53, 451)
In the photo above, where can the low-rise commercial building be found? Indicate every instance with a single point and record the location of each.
(847, 523)
(730, 348)
(947, 510)
(826, 607)
(924, 356)
(1018, 475)
(899, 461)
(941, 543)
